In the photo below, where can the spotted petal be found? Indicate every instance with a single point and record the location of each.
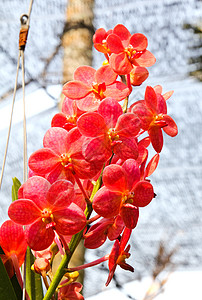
(38, 236)
(107, 203)
(36, 189)
(114, 178)
(61, 193)
(139, 41)
(85, 74)
(69, 220)
(24, 211)
(76, 89)
(143, 193)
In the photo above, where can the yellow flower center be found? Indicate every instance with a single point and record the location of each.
(47, 216)
(99, 89)
(113, 136)
(65, 159)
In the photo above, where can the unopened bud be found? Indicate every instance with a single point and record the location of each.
(72, 276)
(41, 265)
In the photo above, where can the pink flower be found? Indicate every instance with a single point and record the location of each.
(152, 111)
(98, 233)
(90, 87)
(123, 193)
(62, 156)
(68, 117)
(99, 40)
(119, 254)
(14, 245)
(70, 291)
(128, 50)
(44, 209)
(109, 130)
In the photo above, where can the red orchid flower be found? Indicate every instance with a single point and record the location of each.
(119, 254)
(46, 209)
(109, 130)
(98, 233)
(152, 111)
(158, 90)
(99, 40)
(62, 156)
(69, 115)
(146, 171)
(128, 50)
(14, 245)
(123, 193)
(90, 87)
(70, 291)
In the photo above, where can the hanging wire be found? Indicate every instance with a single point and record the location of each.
(25, 20)
(10, 123)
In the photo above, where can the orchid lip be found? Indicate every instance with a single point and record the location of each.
(65, 159)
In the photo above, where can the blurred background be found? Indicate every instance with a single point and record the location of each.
(168, 236)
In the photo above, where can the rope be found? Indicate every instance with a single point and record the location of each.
(25, 20)
(10, 123)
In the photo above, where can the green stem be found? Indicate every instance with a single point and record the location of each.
(72, 246)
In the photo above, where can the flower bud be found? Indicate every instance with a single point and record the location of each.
(41, 265)
(138, 75)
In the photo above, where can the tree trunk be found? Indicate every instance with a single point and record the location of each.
(77, 44)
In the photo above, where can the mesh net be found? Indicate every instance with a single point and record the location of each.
(175, 215)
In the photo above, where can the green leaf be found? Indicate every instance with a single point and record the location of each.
(6, 288)
(16, 286)
(1, 251)
(15, 187)
(33, 280)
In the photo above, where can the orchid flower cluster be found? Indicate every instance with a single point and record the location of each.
(94, 160)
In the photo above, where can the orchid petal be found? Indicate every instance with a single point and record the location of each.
(128, 125)
(158, 89)
(60, 173)
(12, 240)
(61, 193)
(152, 165)
(118, 90)
(120, 63)
(76, 89)
(110, 109)
(147, 59)
(38, 236)
(114, 178)
(70, 220)
(131, 168)
(85, 74)
(107, 203)
(91, 124)
(138, 41)
(36, 189)
(130, 215)
(143, 193)
(105, 74)
(123, 34)
(115, 230)
(55, 139)
(89, 103)
(97, 149)
(115, 44)
(126, 147)
(151, 99)
(156, 137)
(24, 211)
(171, 128)
(43, 161)
(161, 104)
